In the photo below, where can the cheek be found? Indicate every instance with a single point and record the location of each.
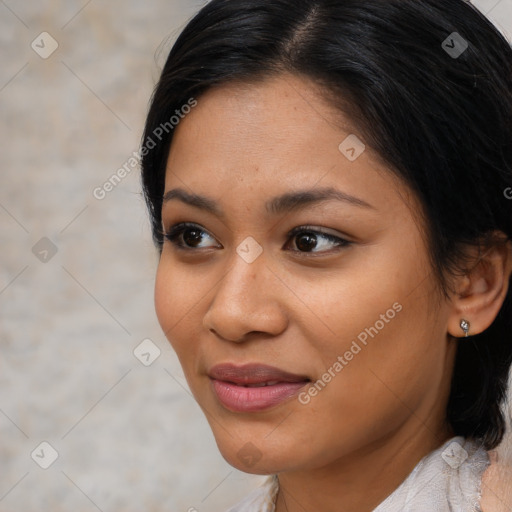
(174, 305)
(164, 297)
(380, 322)
(390, 366)
(370, 303)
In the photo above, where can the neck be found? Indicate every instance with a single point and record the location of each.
(359, 482)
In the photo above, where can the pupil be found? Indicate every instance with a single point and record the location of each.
(192, 236)
(306, 242)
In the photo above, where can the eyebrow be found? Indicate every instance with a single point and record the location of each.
(288, 202)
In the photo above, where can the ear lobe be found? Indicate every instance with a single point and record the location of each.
(480, 293)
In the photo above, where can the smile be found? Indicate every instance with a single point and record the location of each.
(254, 387)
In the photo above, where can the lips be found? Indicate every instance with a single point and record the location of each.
(253, 387)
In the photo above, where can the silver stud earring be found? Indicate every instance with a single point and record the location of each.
(464, 325)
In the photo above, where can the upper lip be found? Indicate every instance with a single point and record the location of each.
(252, 373)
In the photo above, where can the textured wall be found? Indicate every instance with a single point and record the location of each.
(76, 272)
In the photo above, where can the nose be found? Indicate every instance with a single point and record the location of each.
(247, 301)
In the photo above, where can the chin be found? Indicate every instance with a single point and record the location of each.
(251, 457)
(251, 460)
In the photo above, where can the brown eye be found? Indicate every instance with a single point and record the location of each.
(192, 236)
(188, 236)
(306, 242)
(308, 239)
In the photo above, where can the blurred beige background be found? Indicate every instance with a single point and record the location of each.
(77, 271)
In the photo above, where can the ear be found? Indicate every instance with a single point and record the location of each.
(479, 294)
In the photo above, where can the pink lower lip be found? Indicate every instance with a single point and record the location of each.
(242, 399)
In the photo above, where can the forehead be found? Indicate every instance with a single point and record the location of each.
(271, 137)
(280, 113)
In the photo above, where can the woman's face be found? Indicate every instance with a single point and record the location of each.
(345, 310)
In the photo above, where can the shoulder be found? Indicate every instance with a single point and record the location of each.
(497, 486)
(449, 478)
(261, 499)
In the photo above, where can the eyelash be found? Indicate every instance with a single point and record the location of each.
(178, 229)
